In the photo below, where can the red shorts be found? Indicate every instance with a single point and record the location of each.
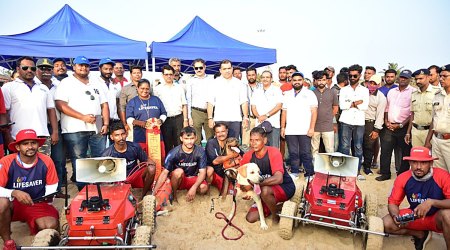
(163, 153)
(425, 224)
(136, 179)
(188, 182)
(29, 214)
(280, 196)
(2, 151)
(217, 182)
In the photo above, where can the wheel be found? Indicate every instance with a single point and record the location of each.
(148, 211)
(46, 238)
(298, 195)
(285, 229)
(371, 205)
(142, 236)
(375, 242)
(62, 221)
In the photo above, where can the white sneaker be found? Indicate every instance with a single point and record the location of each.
(361, 177)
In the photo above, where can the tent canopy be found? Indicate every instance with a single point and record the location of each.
(200, 40)
(67, 34)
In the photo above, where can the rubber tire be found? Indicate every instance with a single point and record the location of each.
(286, 226)
(297, 197)
(371, 205)
(148, 211)
(46, 238)
(62, 220)
(375, 242)
(142, 236)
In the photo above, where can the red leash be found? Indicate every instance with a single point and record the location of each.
(220, 215)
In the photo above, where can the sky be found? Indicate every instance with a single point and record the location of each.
(309, 34)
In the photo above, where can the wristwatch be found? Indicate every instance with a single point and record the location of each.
(268, 115)
(400, 125)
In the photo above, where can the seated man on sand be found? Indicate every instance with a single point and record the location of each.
(277, 186)
(186, 166)
(428, 192)
(139, 176)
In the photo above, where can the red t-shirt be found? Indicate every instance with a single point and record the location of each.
(2, 103)
(286, 87)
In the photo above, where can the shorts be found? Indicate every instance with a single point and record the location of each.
(29, 214)
(217, 182)
(136, 179)
(188, 182)
(280, 196)
(425, 224)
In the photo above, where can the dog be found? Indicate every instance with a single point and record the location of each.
(248, 179)
(230, 166)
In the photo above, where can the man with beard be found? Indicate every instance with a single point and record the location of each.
(118, 73)
(434, 75)
(84, 114)
(390, 76)
(396, 118)
(282, 75)
(137, 175)
(353, 101)
(421, 109)
(59, 69)
(342, 81)
(252, 87)
(427, 190)
(109, 88)
(29, 102)
(24, 177)
(298, 119)
(328, 105)
(290, 69)
(185, 165)
(237, 72)
(127, 93)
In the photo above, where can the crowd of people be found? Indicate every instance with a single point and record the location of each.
(281, 125)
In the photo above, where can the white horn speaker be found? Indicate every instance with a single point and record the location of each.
(101, 169)
(336, 164)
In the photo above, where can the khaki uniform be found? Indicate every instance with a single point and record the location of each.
(422, 106)
(441, 127)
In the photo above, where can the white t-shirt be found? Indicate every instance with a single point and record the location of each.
(227, 97)
(265, 101)
(298, 110)
(197, 92)
(353, 116)
(52, 92)
(112, 93)
(27, 107)
(172, 96)
(79, 97)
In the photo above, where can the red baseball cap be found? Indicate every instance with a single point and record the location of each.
(420, 154)
(25, 134)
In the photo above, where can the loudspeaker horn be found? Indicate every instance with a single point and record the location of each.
(101, 169)
(336, 164)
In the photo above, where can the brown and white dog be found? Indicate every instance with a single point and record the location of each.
(248, 179)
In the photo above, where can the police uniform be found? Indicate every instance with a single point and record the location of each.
(441, 128)
(421, 105)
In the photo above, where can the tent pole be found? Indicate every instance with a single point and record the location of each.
(153, 64)
(146, 65)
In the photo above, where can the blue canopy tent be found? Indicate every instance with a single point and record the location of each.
(200, 40)
(67, 34)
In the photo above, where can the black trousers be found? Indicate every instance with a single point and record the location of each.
(368, 143)
(171, 130)
(390, 140)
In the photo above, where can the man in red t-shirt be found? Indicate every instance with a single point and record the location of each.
(25, 177)
(277, 185)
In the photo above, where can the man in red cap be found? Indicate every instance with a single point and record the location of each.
(25, 177)
(428, 192)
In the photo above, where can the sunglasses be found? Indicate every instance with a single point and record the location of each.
(353, 76)
(25, 68)
(198, 68)
(45, 68)
(89, 93)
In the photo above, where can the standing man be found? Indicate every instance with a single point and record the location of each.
(228, 96)
(84, 114)
(421, 109)
(330, 74)
(252, 86)
(328, 106)
(282, 75)
(197, 100)
(127, 93)
(174, 100)
(29, 102)
(439, 133)
(178, 77)
(298, 119)
(118, 73)
(434, 75)
(396, 118)
(266, 105)
(112, 90)
(59, 69)
(368, 73)
(237, 72)
(353, 101)
(390, 76)
(290, 69)
(342, 81)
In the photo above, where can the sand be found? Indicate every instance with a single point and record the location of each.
(193, 226)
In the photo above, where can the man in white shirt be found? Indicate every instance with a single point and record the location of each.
(266, 104)
(298, 119)
(227, 97)
(252, 85)
(197, 100)
(110, 88)
(174, 99)
(84, 113)
(353, 101)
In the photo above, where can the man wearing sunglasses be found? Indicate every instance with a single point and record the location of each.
(29, 102)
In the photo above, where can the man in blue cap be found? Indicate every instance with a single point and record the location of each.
(110, 88)
(84, 113)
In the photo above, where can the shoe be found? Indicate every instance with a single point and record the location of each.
(420, 243)
(383, 177)
(379, 172)
(367, 171)
(9, 245)
(361, 177)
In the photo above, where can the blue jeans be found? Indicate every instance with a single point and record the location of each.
(351, 133)
(78, 144)
(273, 138)
(299, 147)
(59, 157)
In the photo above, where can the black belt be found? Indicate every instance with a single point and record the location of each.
(419, 127)
(253, 117)
(369, 120)
(176, 116)
(199, 109)
(114, 120)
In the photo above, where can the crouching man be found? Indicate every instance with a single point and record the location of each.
(428, 192)
(186, 164)
(137, 175)
(25, 176)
